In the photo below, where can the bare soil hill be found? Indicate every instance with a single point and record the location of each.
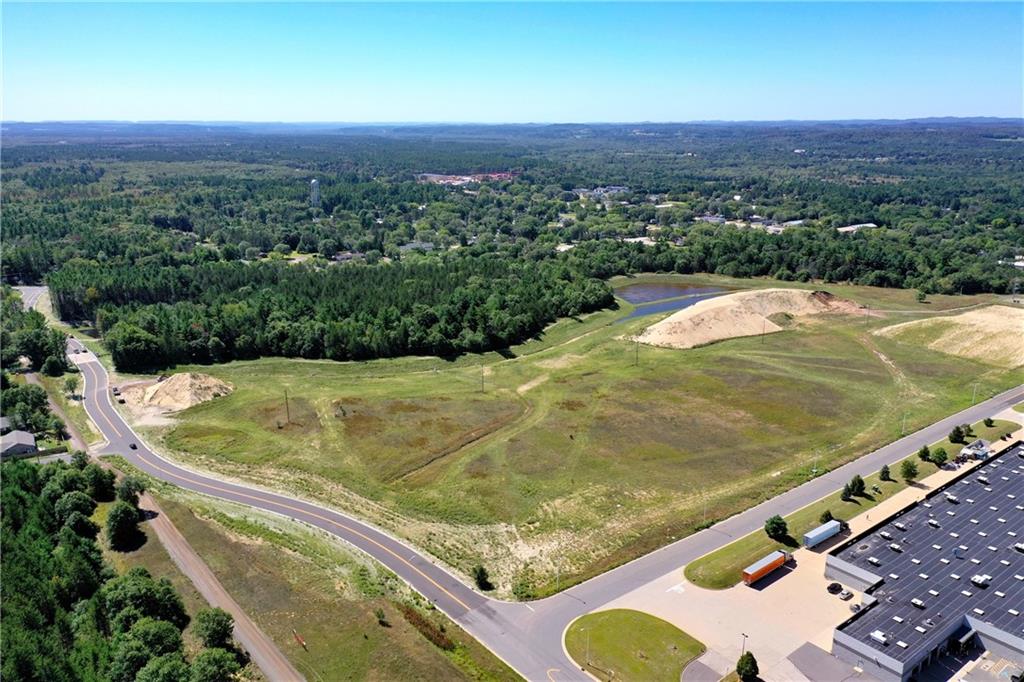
(176, 393)
(745, 313)
(993, 335)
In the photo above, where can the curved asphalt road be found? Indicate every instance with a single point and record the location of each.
(526, 636)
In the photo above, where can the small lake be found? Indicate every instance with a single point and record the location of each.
(645, 293)
(666, 297)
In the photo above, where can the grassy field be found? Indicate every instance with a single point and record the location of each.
(723, 568)
(572, 452)
(629, 645)
(73, 408)
(289, 577)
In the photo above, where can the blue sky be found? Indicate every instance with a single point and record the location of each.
(511, 63)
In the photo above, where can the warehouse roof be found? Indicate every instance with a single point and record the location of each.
(953, 555)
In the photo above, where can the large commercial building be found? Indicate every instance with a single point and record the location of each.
(943, 573)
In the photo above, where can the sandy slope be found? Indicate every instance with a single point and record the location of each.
(994, 334)
(745, 313)
(178, 392)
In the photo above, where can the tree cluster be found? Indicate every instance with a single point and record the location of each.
(66, 615)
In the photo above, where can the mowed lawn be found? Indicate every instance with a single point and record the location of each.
(576, 452)
(622, 644)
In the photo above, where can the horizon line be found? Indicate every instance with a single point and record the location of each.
(503, 123)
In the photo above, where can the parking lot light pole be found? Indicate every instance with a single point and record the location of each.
(743, 647)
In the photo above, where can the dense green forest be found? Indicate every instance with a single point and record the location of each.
(25, 334)
(156, 315)
(201, 244)
(66, 615)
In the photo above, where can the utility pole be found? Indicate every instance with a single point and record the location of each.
(287, 410)
(588, 647)
(636, 355)
(974, 396)
(481, 378)
(903, 429)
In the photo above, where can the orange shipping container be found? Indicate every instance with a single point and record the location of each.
(760, 569)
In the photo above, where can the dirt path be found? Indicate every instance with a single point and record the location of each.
(77, 442)
(261, 648)
(532, 383)
(907, 387)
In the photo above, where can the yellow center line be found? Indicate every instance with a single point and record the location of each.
(314, 515)
(99, 408)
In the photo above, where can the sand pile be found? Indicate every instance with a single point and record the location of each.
(993, 335)
(745, 313)
(178, 392)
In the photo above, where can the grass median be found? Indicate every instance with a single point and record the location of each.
(622, 644)
(723, 568)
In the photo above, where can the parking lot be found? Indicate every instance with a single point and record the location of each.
(780, 613)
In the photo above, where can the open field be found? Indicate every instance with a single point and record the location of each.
(629, 645)
(289, 577)
(577, 451)
(723, 567)
(72, 407)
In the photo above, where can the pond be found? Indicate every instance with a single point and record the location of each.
(664, 297)
(647, 292)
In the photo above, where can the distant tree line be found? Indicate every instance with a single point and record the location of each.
(152, 316)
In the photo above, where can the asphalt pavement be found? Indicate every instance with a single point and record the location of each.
(527, 636)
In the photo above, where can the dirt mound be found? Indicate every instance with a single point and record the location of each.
(179, 391)
(745, 313)
(993, 335)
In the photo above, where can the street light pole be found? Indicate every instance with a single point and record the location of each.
(743, 648)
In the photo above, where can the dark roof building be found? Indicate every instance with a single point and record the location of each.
(17, 443)
(940, 573)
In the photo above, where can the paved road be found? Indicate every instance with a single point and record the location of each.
(29, 295)
(526, 636)
(263, 651)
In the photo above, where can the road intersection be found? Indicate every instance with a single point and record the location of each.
(527, 636)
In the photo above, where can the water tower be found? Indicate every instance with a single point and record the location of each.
(314, 193)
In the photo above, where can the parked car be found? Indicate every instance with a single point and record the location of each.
(845, 594)
(133, 446)
(834, 588)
